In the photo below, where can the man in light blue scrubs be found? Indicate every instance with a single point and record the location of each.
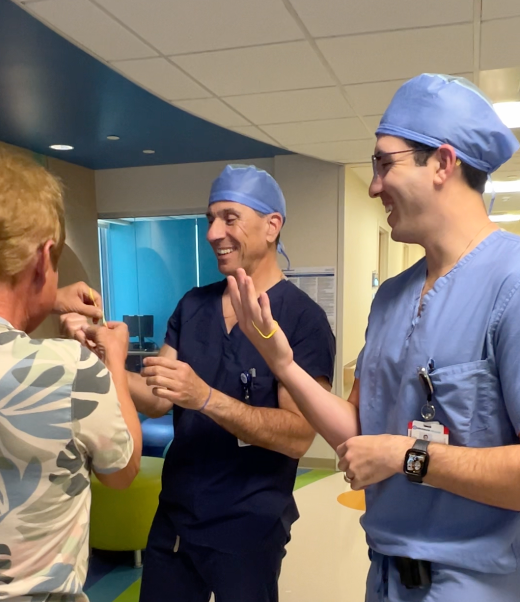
(440, 364)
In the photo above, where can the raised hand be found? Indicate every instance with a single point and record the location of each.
(79, 298)
(257, 323)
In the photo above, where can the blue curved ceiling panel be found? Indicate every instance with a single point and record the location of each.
(51, 92)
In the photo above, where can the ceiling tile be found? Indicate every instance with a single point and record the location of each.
(214, 110)
(353, 151)
(177, 26)
(501, 85)
(494, 55)
(500, 9)
(400, 54)
(89, 26)
(372, 122)
(294, 105)
(339, 17)
(260, 69)
(327, 130)
(254, 132)
(161, 78)
(373, 98)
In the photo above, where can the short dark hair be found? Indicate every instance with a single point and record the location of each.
(475, 178)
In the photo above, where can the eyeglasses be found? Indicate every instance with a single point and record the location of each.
(376, 160)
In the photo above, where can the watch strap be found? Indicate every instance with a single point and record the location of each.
(421, 445)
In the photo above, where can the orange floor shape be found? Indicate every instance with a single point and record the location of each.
(353, 499)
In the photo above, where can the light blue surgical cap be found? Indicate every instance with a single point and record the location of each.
(249, 186)
(252, 187)
(439, 109)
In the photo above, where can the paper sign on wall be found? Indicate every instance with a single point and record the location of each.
(320, 285)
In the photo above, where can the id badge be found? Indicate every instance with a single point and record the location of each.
(429, 431)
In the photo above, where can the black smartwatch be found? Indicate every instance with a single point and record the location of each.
(416, 461)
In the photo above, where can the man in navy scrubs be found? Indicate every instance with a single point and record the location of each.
(226, 505)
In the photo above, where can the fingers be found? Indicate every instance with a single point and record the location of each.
(265, 311)
(151, 362)
(93, 295)
(89, 311)
(162, 382)
(71, 324)
(250, 307)
(234, 295)
(157, 370)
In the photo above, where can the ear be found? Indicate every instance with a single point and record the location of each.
(447, 163)
(44, 261)
(274, 225)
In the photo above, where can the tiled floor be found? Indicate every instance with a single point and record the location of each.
(326, 560)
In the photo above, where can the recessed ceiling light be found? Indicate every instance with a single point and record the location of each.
(112, 137)
(501, 187)
(148, 151)
(63, 147)
(509, 113)
(505, 217)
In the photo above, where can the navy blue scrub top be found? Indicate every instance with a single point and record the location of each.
(215, 492)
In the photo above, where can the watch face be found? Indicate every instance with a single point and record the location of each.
(415, 462)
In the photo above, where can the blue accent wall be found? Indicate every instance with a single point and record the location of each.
(207, 261)
(153, 263)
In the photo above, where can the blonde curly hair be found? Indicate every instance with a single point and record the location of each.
(31, 213)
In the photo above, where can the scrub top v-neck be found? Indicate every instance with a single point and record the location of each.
(467, 335)
(217, 492)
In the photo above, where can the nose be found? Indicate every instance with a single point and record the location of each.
(376, 186)
(216, 231)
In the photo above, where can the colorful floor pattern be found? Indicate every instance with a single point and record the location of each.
(113, 578)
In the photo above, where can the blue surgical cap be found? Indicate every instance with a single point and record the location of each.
(249, 186)
(440, 109)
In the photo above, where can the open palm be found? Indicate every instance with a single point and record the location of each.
(252, 310)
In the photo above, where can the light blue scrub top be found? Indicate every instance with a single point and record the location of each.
(470, 327)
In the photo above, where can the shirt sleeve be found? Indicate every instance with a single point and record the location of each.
(99, 426)
(507, 353)
(314, 345)
(173, 328)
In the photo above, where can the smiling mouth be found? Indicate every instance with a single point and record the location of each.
(224, 252)
(389, 208)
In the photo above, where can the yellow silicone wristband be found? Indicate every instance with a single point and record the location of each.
(266, 336)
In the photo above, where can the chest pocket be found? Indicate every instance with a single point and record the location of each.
(264, 393)
(466, 397)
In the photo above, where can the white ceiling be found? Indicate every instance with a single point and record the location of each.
(313, 76)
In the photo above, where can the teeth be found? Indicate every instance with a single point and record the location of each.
(388, 208)
(224, 251)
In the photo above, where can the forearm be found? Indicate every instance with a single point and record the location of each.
(335, 419)
(144, 399)
(486, 475)
(271, 428)
(125, 476)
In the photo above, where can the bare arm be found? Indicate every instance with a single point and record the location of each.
(486, 475)
(282, 429)
(142, 394)
(335, 419)
(123, 478)
(111, 343)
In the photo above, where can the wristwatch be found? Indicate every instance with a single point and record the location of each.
(416, 461)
